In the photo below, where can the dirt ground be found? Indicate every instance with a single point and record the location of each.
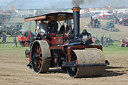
(13, 70)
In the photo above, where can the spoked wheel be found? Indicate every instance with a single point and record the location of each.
(41, 56)
(37, 58)
(72, 70)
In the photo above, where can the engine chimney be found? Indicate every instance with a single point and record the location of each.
(76, 16)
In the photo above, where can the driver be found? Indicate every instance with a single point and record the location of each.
(42, 28)
(64, 28)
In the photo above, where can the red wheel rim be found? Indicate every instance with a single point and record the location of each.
(39, 51)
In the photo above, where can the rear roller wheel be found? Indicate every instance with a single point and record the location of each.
(40, 56)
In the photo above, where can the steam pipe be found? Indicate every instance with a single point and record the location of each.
(76, 16)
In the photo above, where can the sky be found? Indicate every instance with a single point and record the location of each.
(53, 4)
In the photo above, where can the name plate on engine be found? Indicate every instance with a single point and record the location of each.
(57, 40)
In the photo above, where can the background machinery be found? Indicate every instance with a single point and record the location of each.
(13, 28)
(24, 37)
(110, 27)
(70, 51)
(4, 18)
(124, 43)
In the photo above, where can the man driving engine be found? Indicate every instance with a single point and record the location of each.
(42, 28)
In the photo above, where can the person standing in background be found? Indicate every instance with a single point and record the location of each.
(4, 38)
(15, 42)
(102, 40)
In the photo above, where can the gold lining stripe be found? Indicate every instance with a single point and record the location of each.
(35, 18)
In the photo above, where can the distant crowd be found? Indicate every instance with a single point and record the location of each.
(104, 41)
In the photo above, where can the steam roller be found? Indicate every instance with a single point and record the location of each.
(69, 49)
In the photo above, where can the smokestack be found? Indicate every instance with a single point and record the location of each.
(76, 16)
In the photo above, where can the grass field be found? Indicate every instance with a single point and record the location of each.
(115, 48)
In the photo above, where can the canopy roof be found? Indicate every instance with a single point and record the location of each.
(58, 16)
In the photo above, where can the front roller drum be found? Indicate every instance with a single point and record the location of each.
(90, 63)
(41, 56)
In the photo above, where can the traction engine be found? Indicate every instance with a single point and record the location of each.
(72, 52)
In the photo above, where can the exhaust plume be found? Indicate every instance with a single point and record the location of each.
(77, 3)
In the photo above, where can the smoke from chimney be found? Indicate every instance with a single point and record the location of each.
(77, 3)
(99, 3)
